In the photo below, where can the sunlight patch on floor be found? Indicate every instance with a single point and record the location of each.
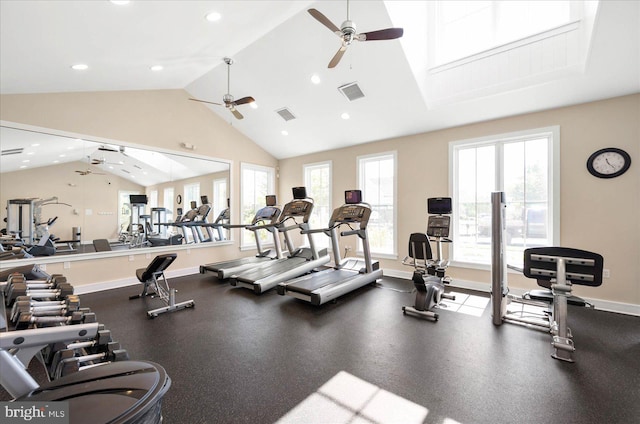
(347, 399)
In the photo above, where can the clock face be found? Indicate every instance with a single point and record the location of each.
(609, 163)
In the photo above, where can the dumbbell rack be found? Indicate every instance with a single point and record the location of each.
(48, 323)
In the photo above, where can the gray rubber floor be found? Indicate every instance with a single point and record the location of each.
(238, 357)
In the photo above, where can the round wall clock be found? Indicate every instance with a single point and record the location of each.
(179, 199)
(609, 162)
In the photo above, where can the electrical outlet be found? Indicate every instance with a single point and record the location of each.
(606, 273)
(66, 265)
(43, 267)
(148, 256)
(131, 258)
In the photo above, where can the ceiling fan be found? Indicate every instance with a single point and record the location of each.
(88, 171)
(228, 100)
(103, 161)
(347, 32)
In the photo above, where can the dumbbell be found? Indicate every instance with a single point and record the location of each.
(49, 283)
(76, 317)
(65, 361)
(21, 289)
(97, 344)
(51, 308)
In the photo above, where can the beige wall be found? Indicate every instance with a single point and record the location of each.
(93, 198)
(596, 214)
(163, 119)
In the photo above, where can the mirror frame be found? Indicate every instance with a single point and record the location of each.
(125, 252)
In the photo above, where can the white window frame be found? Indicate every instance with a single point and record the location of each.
(153, 198)
(168, 196)
(321, 241)
(553, 180)
(220, 195)
(394, 225)
(246, 237)
(188, 197)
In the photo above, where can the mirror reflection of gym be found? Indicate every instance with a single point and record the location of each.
(63, 193)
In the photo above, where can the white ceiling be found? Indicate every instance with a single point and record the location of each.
(277, 46)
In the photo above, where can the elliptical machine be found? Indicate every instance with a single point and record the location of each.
(429, 275)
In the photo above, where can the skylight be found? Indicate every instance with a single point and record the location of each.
(465, 28)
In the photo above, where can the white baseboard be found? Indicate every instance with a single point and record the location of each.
(125, 282)
(600, 304)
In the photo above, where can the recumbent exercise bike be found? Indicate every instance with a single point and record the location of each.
(429, 276)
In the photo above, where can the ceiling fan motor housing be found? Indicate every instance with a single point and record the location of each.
(348, 30)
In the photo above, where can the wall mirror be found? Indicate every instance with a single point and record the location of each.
(83, 190)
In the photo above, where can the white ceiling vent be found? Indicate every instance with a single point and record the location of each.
(8, 152)
(351, 91)
(285, 114)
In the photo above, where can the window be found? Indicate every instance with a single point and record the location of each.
(525, 166)
(220, 196)
(376, 179)
(464, 28)
(167, 202)
(317, 180)
(256, 182)
(191, 194)
(153, 199)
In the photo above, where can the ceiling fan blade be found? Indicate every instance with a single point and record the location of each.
(237, 114)
(244, 100)
(204, 101)
(337, 56)
(106, 149)
(382, 34)
(323, 20)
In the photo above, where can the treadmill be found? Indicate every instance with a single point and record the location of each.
(264, 219)
(299, 261)
(348, 274)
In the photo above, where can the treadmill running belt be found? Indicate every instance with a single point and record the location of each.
(320, 279)
(269, 269)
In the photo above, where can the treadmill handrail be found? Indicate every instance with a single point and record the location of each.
(359, 233)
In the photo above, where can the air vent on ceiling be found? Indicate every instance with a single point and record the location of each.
(12, 151)
(285, 114)
(351, 91)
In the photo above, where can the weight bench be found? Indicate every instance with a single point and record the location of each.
(153, 275)
(558, 268)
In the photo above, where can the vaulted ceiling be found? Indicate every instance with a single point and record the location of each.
(277, 46)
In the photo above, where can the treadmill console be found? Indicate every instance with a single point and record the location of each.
(295, 208)
(351, 213)
(268, 213)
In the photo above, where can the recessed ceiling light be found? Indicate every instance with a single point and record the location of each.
(345, 115)
(23, 166)
(285, 132)
(254, 105)
(119, 2)
(56, 161)
(30, 153)
(80, 67)
(213, 16)
(315, 79)
(25, 161)
(35, 144)
(156, 68)
(61, 156)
